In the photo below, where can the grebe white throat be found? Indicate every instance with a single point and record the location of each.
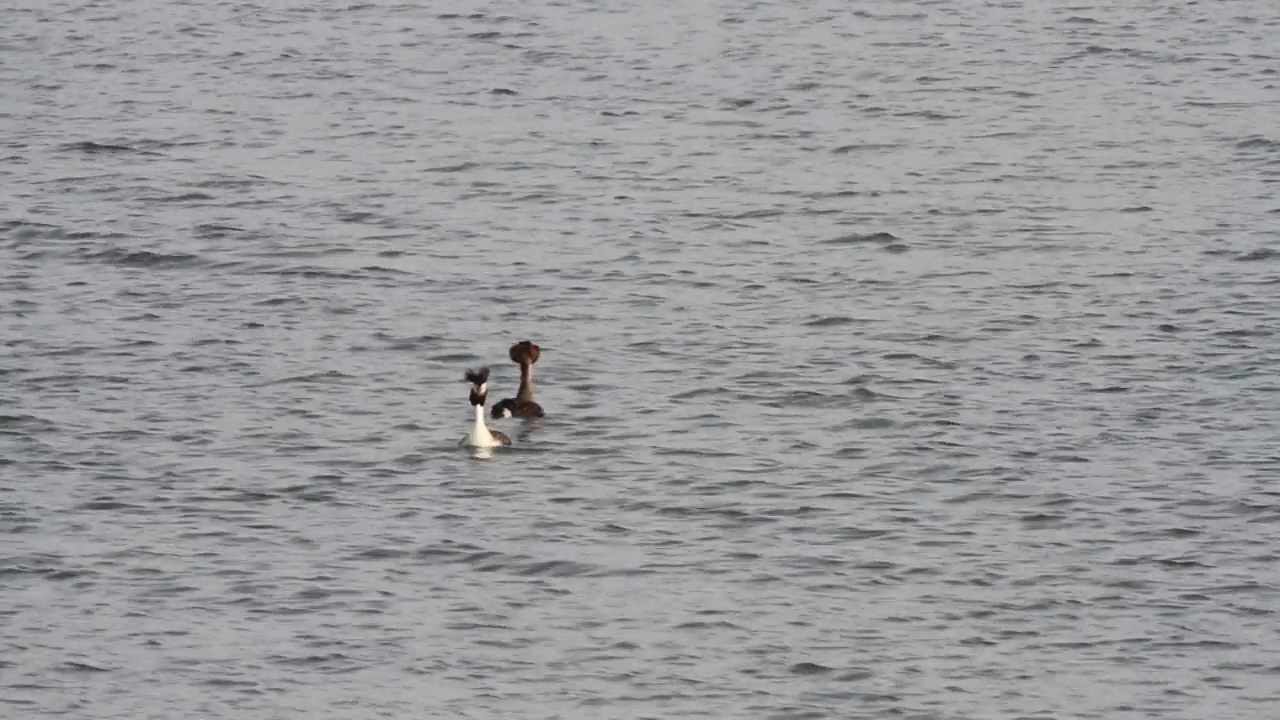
(480, 435)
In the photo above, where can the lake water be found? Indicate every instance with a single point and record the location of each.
(901, 359)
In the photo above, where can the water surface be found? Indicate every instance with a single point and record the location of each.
(902, 359)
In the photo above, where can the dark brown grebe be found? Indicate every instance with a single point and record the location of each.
(525, 354)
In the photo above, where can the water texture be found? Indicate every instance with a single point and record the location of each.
(906, 359)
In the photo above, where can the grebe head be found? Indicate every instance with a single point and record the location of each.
(525, 353)
(479, 380)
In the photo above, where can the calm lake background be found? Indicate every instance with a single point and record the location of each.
(901, 359)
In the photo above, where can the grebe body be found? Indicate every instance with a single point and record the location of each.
(481, 436)
(524, 354)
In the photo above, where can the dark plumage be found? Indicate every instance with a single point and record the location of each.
(515, 407)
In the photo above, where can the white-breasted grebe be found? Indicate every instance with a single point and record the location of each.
(481, 436)
(524, 354)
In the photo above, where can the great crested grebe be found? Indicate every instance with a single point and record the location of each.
(481, 436)
(525, 354)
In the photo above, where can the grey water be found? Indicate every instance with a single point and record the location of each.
(902, 359)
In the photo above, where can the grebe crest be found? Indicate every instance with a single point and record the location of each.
(524, 354)
(481, 436)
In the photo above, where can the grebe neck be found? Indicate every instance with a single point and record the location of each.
(480, 435)
(526, 382)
